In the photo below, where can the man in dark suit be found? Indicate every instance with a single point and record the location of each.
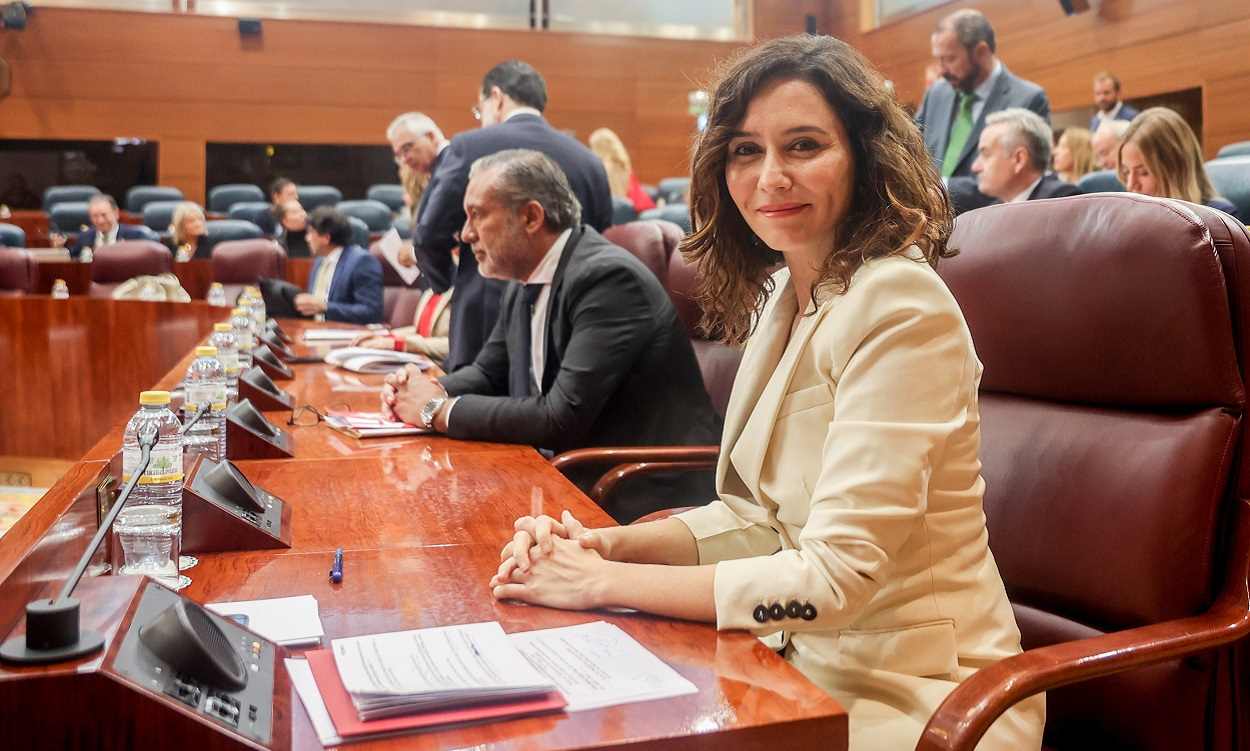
(1107, 100)
(588, 349)
(105, 228)
(974, 83)
(346, 281)
(1013, 156)
(510, 107)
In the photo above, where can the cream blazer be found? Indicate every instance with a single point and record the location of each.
(849, 525)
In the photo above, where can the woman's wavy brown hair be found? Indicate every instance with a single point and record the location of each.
(898, 200)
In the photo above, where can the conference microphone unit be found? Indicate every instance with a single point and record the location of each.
(275, 343)
(272, 326)
(261, 391)
(273, 366)
(222, 510)
(250, 435)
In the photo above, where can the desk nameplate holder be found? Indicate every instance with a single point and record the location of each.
(222, 510)
(269, 362)
(250, 436)
(261, 391)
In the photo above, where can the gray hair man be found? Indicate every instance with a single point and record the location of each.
(416, 141)
(1013, 155)
(587, 350)
(1106, 143)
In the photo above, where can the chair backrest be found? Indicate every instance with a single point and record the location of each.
(673, 189)
(158, 215)
(12, 236)
(646, 242)
(360, 231)
(147, 232)
(239, 263)
(58, 194)
(315, 196)
(391, 194)
(18, 271)
(114, 264)
(623, 211)
(403, 225)
(1239, 148)
(718, 362)
(222, 197)
(375, 214)
(68, 217)
(225, 230)
(1102, 181)
(1112, 413)
(677, 213)
(259, 213)
(397, 297)
(141, 195)
(1231, 178)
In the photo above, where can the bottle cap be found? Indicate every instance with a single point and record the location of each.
(238, 312)
(154, 397)
(215, 285)
(59, 281)
(206, 351)
(222, 327)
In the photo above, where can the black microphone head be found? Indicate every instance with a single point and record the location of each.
(247, 415)
(187, 638)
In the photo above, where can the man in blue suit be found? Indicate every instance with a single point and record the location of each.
(974, 83)
(510, 105)
(346, 281)
(105, 228)
(1107, 99)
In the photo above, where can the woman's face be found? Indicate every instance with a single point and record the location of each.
(1063, 155)
(193, 226)
(790, 169)
(1134, 173)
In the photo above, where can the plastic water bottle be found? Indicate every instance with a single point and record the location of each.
(206, 384)
(228, 353)
(86, 254)
(244, 336)
(60, 290)
(149, 527)
(258, 306)
(217, 295)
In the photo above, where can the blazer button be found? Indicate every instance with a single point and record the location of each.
(760, 614)
(809, 612)
(777, 612)
(794, 609)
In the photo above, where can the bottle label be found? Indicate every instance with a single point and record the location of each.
(214, 394)
(229, 361)
(164, 466)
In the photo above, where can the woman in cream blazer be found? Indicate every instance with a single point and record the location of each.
(848, 532)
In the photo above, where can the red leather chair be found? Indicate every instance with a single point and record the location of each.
(646, 242)
(1113, 409)
(399, 301)
(239, 263)
(18, 271)
(113, 264)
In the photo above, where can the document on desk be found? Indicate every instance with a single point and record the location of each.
(289, 621)
(390, 245)
(598, 665)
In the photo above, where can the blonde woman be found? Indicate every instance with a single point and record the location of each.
(621, 178)
(1160, 156)
(414, 183)
(1074, 155)
(187, 230)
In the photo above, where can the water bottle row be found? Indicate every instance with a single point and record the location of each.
(149, 528)
(216, 293)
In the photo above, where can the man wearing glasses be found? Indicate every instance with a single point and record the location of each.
(509, 108)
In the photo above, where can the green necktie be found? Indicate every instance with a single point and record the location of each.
(960, 130)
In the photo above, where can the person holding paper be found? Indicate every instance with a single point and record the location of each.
(848, 530)
(588, 349)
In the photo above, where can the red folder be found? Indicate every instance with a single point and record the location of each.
(350, 727)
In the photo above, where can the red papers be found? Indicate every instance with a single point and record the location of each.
(350, 727)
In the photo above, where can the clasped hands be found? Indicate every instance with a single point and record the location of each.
(406, 391)
(560, 564)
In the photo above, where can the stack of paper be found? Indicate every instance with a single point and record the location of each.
(370, 425)
(289, 621)
(332, 335)
(365, 360)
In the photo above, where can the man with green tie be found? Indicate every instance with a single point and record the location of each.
(973, 84)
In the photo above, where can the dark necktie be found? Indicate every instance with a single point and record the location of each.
(520, 370)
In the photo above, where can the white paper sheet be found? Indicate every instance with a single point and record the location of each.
(289, 621)
(598, 665)
(310, 695)
(390, 244)
(332, 335)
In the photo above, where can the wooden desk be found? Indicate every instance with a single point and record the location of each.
(421, 521)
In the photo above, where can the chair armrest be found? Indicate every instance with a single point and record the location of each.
(618, 474)
(634, 454)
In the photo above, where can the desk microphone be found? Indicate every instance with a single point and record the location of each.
(199, 413)
(52, 628)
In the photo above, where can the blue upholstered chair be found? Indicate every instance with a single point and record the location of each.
(222, 197)
(12, 236)
(677, 213)
(623, 211)
(673, 189)
(259, 213)
(1103, 181)
(403, 225)
(67, 194)
(224, 230)
(1231, 178)
(391, 194)
(68, 217)
(158, 215)
(360, 232)
(375, 214)
(314, 196)
(141, 195)
(1240, 148)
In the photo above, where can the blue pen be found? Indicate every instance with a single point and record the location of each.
(336, 569)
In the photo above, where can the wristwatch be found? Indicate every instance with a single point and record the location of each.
(430, 409)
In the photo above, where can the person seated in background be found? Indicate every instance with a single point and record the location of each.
(282, 190)
(346, 280)
(1073, 156)
(1106, 143)
(428, 333)
(621, 178)
(187, 232)
(1013, 156)
(849, 526)
(105, 228)
(292, 223)
(1160, 156)
(588, 349)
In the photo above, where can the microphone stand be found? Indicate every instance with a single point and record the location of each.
(199, 413)
(52, 626)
